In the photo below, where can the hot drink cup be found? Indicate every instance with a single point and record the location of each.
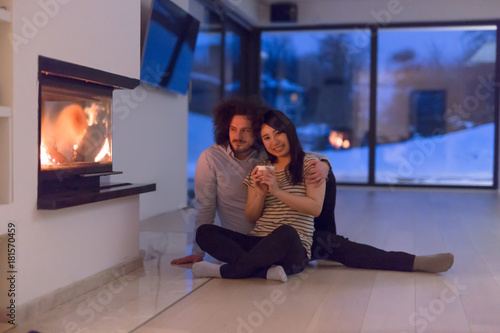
(263, 167)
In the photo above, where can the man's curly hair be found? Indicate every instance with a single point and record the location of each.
(252, 108)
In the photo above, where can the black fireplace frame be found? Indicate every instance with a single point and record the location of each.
(67, 187)
(63, 82)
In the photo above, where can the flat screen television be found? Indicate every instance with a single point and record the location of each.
(168, 46)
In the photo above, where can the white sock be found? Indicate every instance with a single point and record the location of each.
(206, 269)
(436, 263)
(276, 273)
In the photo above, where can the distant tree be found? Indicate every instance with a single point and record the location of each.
(341, 57)
(281, 58)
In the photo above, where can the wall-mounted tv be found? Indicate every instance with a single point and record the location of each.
(168, 46)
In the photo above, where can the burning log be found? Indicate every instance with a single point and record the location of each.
(60, 136)
(91, 144)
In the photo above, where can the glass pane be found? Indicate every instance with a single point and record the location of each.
(321, 79)
(435, 106)
(232, 70)
(75, 127)
(205, 85)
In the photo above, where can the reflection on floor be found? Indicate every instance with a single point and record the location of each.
(326, 297)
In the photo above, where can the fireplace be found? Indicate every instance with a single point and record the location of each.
(75, 135)
(75, 127)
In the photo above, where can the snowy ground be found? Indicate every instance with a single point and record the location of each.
(460, 158)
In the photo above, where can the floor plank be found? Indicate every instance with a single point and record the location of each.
(391, 303)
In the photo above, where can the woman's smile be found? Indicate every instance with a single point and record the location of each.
(276, 142)
(278, 148)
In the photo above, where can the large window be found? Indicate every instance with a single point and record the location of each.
(435, 107)
(404, 106)
(321, 80)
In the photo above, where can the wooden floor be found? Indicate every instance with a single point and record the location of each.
(326, 297)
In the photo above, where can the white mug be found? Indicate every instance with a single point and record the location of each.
(263, 167)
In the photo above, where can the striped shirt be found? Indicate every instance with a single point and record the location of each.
(277, 213)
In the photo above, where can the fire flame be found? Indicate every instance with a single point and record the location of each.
(45, 158)
(337, 140)
(105, 151)
(62, 136)
(91, 113)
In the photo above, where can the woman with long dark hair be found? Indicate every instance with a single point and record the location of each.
(280, 204)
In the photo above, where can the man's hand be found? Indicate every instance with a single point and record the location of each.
(317, 173)
(191, 259)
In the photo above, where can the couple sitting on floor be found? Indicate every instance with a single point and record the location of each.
(275, 207)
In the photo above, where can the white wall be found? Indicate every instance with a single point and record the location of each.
(389, 11)
(152, 124)
(153, 149)
(249, 10)
(315, 12)
(57, 248)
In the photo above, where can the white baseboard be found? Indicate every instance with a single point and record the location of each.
(74, 290)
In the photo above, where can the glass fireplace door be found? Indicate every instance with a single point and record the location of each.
(75, 125)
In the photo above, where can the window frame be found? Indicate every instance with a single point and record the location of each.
(229, 21)
(374, 28)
